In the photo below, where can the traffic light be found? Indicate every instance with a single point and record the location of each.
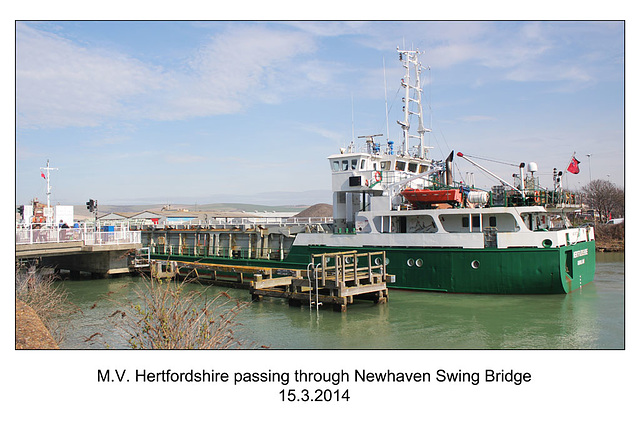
(91, 205)
(21, 210)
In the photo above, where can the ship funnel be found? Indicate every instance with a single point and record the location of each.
(448, 178)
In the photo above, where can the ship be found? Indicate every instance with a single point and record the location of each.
(435, 233)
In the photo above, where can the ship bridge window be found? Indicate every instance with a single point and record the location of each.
(424, 168)
(335, 165)
(345, 165)
(385, 166)
(362, 162)
(413, 167)
(400, 165)
(354, 163)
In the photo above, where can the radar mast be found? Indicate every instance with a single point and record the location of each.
(413, 88)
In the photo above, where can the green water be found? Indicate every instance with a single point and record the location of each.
(590, 318)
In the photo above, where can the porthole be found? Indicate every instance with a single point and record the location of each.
(475, 264)
(547, 243)
(410, 262)
(418, 262)
(386, 261)
(377, 261)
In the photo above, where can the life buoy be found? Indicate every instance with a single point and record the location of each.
(377, 175)
(366, 182)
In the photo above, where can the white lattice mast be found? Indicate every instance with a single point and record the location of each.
(410, 60)
(48, 178)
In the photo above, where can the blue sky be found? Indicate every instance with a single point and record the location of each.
(241, 111)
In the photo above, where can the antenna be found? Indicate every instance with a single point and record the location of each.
(353, 131)
(430, 103)
(386, 107)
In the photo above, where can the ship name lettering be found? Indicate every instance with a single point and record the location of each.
(581, 252)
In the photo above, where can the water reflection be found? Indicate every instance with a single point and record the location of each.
(592, 317)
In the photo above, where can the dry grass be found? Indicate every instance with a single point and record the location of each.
(48, 301)
(610, 237)
(170, 317)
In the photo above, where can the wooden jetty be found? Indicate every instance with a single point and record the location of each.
(331, 279)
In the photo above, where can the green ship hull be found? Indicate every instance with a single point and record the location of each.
(480, 271)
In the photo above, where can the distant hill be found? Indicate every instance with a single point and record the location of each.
(317, 210)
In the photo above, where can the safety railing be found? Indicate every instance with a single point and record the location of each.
(112, 237)
(48, 235)
(29, 235)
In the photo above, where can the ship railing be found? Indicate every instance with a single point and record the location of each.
(539, 197)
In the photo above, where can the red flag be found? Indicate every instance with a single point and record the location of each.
(573, 166)
(42, 175)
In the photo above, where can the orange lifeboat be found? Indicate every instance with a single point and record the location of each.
(432, 197)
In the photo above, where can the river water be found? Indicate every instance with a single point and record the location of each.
(590, 318)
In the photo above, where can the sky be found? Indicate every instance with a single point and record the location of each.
(134, 112)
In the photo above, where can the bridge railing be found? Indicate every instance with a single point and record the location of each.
(112, 237)
(29, 235)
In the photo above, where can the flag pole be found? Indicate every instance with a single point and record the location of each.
(48, 169)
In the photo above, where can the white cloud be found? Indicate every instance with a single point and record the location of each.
(60, 83)
(329, 134)
(236, 68)
(332, 28)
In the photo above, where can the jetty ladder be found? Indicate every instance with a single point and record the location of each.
(334, 279)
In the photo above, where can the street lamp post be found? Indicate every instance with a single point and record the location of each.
(589, 156)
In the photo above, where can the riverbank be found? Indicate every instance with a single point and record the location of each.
(610, 238)
(31, 333)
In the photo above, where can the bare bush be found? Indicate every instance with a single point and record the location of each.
(50, 302)
(170, 317)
